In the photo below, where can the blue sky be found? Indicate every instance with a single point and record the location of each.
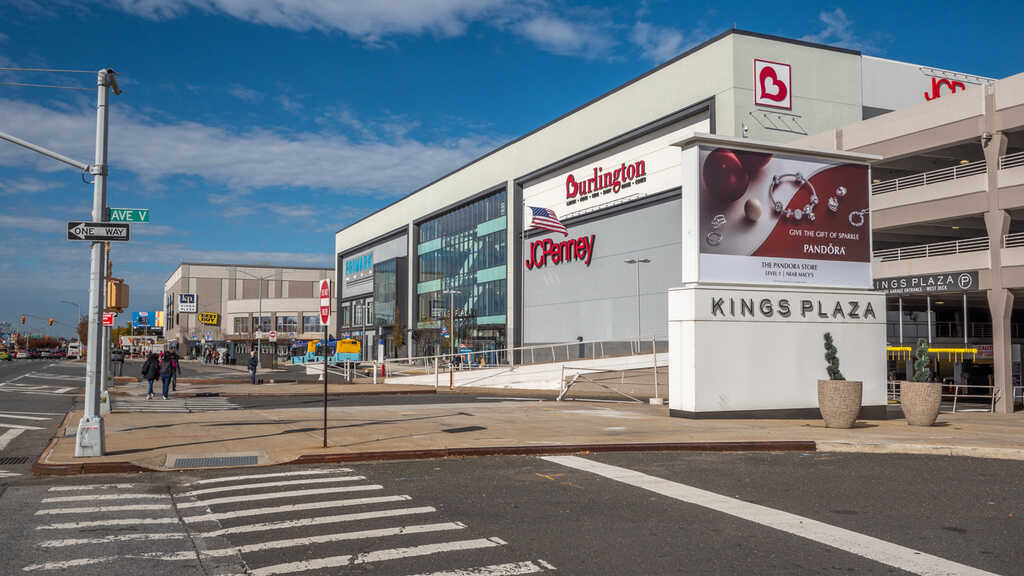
(254, 130)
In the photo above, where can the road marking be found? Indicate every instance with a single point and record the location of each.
(62, 565)
(93, 497)
(62, 390)
(38, 413)
(377, 556)
(113, 522)
(274, 475)
(19, 426)
(294, 508)
(78, 487)
(8, 436)
(276, 495)
(869, 547)
(341, 537)
(112, 538)
(235, 487)
(6, 474)
(92, 509)
(20, 416)
(498, 569)
(316, 521)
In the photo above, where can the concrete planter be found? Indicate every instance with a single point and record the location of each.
(920, 402)
(839, 402)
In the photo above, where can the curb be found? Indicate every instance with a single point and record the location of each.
(43, 469)
(289, 394)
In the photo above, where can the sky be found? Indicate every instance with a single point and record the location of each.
(254, 129)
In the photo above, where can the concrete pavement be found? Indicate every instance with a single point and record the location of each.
(155, 441)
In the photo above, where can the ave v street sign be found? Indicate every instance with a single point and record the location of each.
(99, 231)
(128, 214)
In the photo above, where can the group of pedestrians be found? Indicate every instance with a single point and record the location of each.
(165, 366)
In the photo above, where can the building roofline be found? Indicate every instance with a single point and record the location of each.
(222, 264)
(628, 83)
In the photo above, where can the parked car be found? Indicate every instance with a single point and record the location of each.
(5, 354)
(117, 355)
(22, 355)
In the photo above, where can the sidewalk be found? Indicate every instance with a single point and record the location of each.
(240, 388)
(137, 442)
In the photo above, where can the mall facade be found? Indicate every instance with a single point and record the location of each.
(610, 173)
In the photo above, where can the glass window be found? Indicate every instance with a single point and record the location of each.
(346, 315)
(385, 291)
(287, 323)
(358, 314)
(261, 323)
(241, 325)
(311, 323)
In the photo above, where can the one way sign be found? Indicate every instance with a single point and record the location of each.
(99, 231)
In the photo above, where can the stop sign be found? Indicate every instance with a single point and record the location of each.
(325, 301)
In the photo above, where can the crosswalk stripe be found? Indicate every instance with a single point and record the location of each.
(19, 426)
(92, 509)
(510, 569)
(8, 436)
(109, 522)
(294, 508)
(62, 390)
(78, 487)
(6, 474)
(235, 487)
(21, 416)
(64, 564)
(36, 413)
(274, 475)
(316, 521)
(377, 556)
(93, 497)
(276, 495)
(112, 538)
(340, 537)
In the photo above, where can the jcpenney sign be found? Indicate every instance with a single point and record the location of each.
(544, 251)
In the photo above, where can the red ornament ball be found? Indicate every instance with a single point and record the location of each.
(725, 178)
(753, 161)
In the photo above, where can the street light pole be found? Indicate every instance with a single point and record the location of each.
(78, 308)
(637, 262)
(259, 305)
(451, 337)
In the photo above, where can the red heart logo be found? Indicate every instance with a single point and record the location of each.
(771, 88)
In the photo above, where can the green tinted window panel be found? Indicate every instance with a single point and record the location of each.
(429, 246)
(431, 286)
(490, 226)
(497, 319)
(490, 274)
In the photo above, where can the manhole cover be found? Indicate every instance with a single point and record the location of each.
(463, 429)
(9, 460)
(216, 461)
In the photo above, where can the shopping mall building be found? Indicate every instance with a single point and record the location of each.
(610, 172)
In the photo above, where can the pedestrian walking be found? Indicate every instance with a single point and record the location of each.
(150, 371)
(253, 363)
(176, 361)
(166, 371)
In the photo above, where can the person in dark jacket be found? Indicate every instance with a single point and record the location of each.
(166, 371)
(150, 371)
(253, 363)
(176, 362)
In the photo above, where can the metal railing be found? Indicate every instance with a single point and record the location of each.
(932, 177)
(947, 248)
(523, 355)
(1013, 240)
(953, 395)
(1011, 160)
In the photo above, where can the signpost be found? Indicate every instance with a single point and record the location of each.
(128, 215)
(99, 231)
(325, 315)
(108, 318)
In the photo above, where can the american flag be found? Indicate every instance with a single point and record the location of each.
(545, 219)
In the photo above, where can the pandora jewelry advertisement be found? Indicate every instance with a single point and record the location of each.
(774, 218)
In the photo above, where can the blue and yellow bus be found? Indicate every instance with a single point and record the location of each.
(338, 351)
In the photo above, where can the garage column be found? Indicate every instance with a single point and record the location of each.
(1000, 304)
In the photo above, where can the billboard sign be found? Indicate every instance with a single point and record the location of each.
(779, 218)
(141, 319)
(158, 321)
(209, 318)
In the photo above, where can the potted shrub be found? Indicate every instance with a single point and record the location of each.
(838, 398)
(919, 398)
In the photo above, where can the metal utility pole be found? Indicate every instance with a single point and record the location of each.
(90, 438)
(638, 262)
(451, 337)
(259, 304)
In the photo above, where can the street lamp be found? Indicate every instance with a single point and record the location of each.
(451, 318)
(638, 262)
(259, 333)
(77, 308)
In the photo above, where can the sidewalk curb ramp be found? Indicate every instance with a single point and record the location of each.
(122, 467)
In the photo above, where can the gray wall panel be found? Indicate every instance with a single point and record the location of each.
(598, 302)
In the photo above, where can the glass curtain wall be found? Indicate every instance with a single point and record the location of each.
(463, 250)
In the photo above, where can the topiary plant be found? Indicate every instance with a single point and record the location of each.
(922, 363)
(832, 357)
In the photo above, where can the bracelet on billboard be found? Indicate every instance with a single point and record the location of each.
(799, 181)
(833, 201)
(857, 217)
(714, 238)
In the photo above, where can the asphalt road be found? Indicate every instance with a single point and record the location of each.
(34, 397)
(656, 513)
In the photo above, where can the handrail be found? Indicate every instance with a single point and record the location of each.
(1011, 160)
(947, 248)
(1013, 240)
(931, 177)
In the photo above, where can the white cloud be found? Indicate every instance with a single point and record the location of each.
(655, 42)
(32, 223)
(567, 38)
(838, 30)
(25, 186)
(369, 21)
(245, 94)
(254, 158)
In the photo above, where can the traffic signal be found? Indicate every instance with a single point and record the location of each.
(22, 318)
(51, 321)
